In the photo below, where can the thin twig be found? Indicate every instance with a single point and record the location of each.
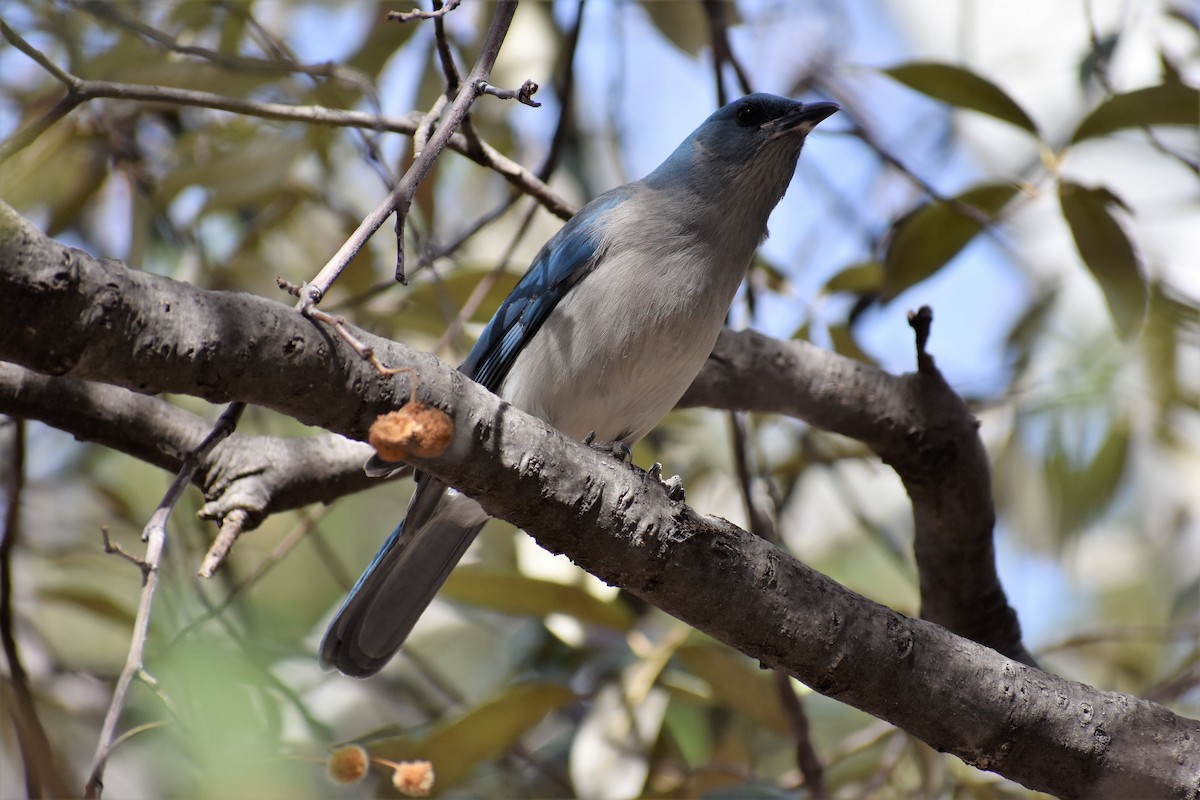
(718, 27)
(81, 91)
(763, 523)
(806, 755)
(565, 89)
(338, 322)
(42, 778)
(416, 13)
(566, 93)
(108, 12)
(231, 528)
(522, 95)
(155, 537)
(303, 528)
(921, 321)
(485, 285)
(399, 199)
(449, 66)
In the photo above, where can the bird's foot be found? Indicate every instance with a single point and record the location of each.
(672, 485)
(618, 449)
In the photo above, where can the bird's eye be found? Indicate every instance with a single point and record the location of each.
(748, 115)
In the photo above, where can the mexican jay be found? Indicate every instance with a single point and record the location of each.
(603, 334)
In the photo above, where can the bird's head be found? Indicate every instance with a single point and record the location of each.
(750, 145)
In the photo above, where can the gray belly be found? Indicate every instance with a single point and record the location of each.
(616, 367)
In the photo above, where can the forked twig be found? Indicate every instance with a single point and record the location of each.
(155, 537)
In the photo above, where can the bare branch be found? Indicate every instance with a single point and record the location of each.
(522, 95)
(416, 13)
(81, 91)
(920, 428)
(155, 536)
(400, 198)
(42, 777)
(108, 12)
(254, 475)
(718, 27)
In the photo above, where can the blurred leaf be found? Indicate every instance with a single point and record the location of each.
(771, 276)
(490, 729)
(481, 734)
(687, 724)
(1083, 493)
(866, 276)
(685, 25)
(735, 684)
(1171, 320)
(961, 87)
(133, 60)
(844, 342)
(1106, 251)
(1165, 104)
(610, 755)
(753, 791)
(250, 174)
(222, 703)
(429, 304)
(383, 38)
(93, 602)
(1185, 606)
(1029, 328)
(924, 240)
(513, 593)
(60, 173)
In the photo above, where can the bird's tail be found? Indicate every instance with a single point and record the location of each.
(401, 581)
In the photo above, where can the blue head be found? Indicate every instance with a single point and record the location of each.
(744, 154)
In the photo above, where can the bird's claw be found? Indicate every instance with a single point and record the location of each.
(617, 449)
(672, 485)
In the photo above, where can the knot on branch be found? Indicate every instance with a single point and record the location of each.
(522, 95)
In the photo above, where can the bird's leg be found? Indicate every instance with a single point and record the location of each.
(673, 485)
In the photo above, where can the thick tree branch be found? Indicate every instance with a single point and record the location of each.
(257, 475)
(69, 314)
(73, 315)
(919, 427)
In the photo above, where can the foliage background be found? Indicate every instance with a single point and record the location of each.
(1071, 323)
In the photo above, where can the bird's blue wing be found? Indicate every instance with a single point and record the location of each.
(562, 262)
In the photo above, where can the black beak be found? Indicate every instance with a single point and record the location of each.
(801, 119)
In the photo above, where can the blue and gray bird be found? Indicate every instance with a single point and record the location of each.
(603, 334)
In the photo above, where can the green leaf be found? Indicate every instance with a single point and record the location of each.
(686, 25)
(925, 239)
(1165, 104)
(735, 684)
(513, 593)
(866, 276)
(1106, 251)
(844, 343)
(963, 88)
(481, 734)
(90, 601)
(1082, 494)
